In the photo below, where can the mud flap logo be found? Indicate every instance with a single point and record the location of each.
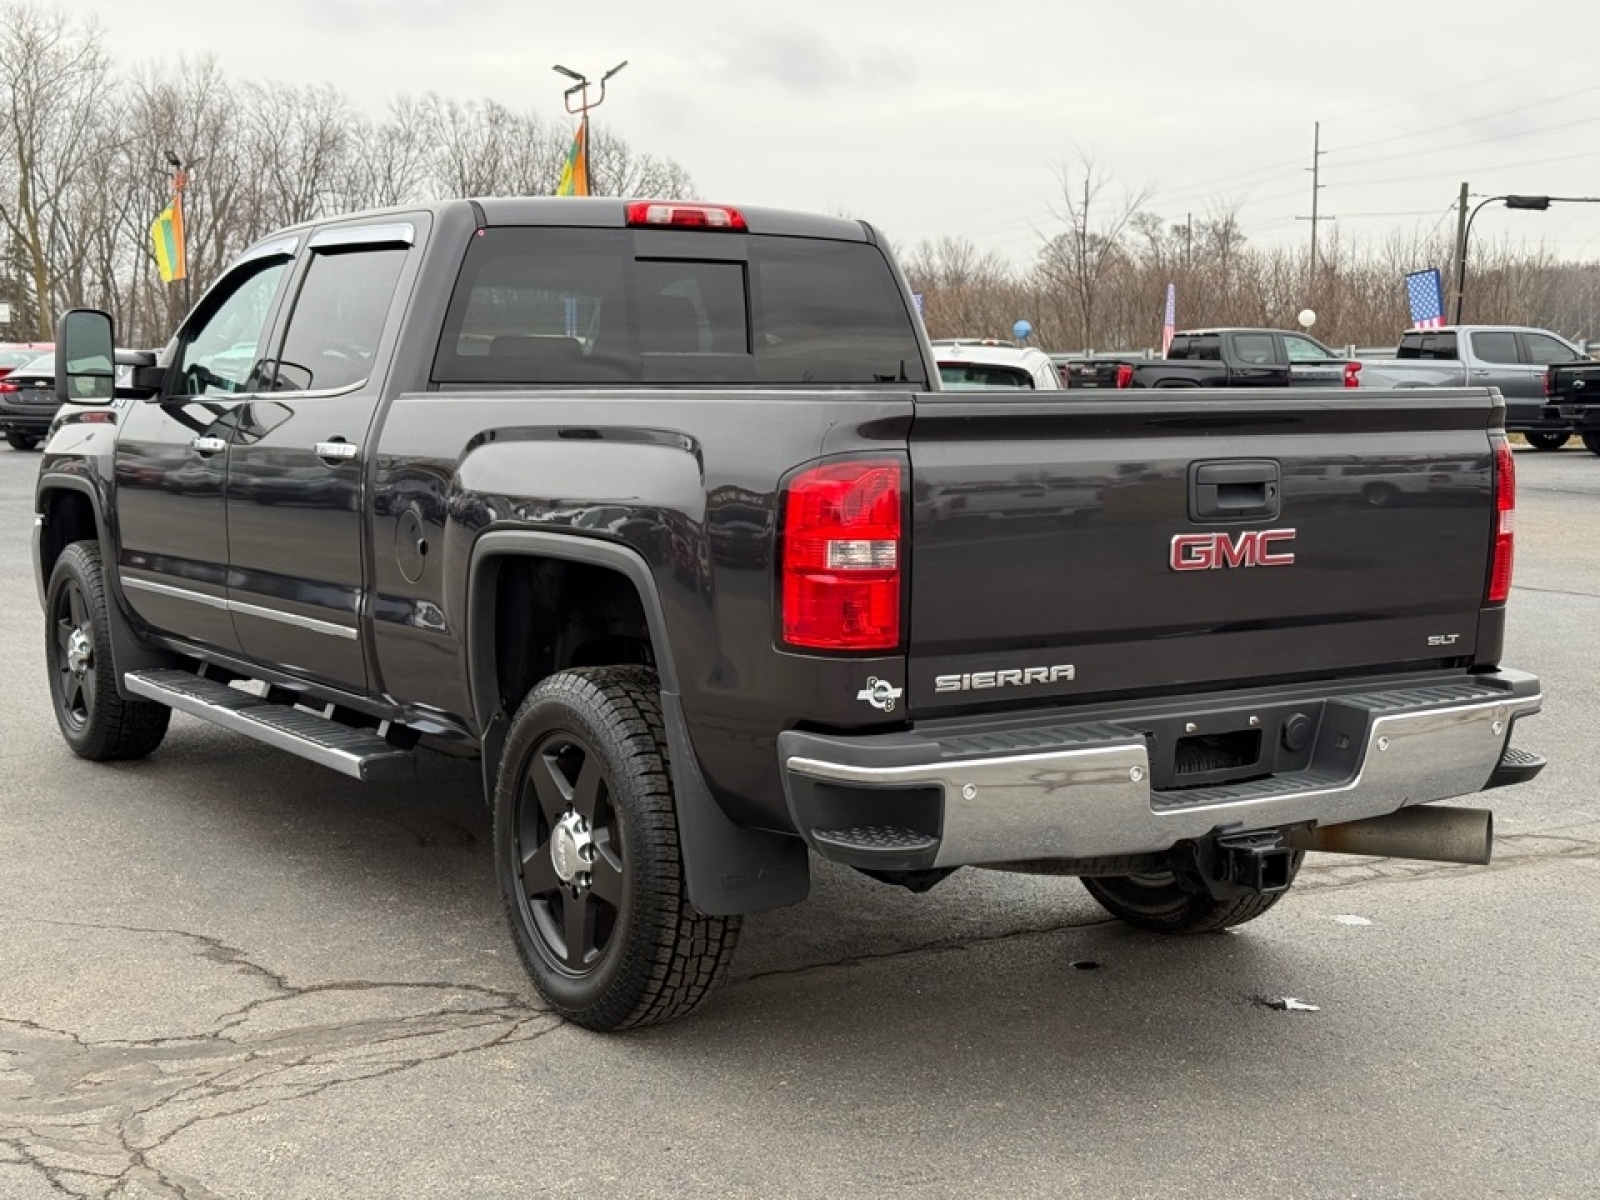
(881, 694)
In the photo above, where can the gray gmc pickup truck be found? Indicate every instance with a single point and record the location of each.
(659, 508)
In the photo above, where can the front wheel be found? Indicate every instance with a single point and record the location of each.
(96, 721)
(1591, 442)
(586, 849)
(1547, 441)
(1163, 903)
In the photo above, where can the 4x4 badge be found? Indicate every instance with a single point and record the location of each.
(880, 693)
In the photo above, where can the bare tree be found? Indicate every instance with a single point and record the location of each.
(52, 140)
(1079, 260)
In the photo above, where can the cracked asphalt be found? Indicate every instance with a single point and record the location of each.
(225, 972)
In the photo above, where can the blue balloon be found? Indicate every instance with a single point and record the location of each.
(1021, 330)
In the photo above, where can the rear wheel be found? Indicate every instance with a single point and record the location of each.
(1547, 441)
(1591, 442)
(94, 718)
(22, 441)
(586, 848)
(1163, 903)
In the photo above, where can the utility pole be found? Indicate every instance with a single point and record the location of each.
(1315, 218)
(1188, 239)
(1461, 256)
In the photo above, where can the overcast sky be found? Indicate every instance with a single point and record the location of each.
(951, 119)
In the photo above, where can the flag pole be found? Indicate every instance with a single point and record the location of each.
(578, 160)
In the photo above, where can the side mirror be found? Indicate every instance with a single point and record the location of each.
(85, 357)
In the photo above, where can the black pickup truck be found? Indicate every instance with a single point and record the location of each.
(1572, 398)
(649, 505)
(1222, 358)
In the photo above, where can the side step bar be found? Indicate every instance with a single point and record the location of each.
(359, 753)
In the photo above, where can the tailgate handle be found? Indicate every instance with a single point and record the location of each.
(1234, 491)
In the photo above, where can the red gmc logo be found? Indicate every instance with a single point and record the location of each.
(1250, 548)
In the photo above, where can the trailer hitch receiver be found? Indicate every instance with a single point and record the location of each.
(1256, 862)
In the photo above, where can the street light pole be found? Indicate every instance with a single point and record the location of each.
(580, 88)
(1531, 203)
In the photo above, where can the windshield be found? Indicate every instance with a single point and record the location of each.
(976, 376)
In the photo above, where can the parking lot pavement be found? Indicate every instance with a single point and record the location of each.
(227, 973)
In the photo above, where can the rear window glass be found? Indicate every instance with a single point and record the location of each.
(1208, 346)
(1255, 349)
(959, 376)
(1427, 345)
(553, 306)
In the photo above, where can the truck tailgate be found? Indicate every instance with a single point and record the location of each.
(1077, 548)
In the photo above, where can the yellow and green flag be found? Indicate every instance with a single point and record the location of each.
(167, 234)
(575, 172)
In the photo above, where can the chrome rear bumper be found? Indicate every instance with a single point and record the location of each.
(1057, 790)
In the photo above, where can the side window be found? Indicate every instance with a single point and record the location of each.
(337, 319)
(1544, 350)
(1255, 349)
(219, 353)
(1495, 347)
(1302, 349)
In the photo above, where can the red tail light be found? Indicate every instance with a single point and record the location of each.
(1549, 382)
(699, 216)
(7, 386)
(1352, 374)
(842, 556)
(1124, 375)
(1505, 523)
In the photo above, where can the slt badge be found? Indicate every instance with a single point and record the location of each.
(880, 693)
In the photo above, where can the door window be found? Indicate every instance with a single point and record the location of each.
(338, 318)
(1303, 349)
(220, 351)
(1254, 349)
(1544, 349)
(1497, 347)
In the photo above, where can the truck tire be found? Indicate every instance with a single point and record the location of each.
(97, 723)
(586, 850)
(22, 441)
(1547, 441)
(1160, 903)
(1591, 442)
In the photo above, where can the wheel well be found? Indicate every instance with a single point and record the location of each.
(68, 517)
(551, 614)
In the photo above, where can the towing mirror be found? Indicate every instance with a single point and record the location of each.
(85, 357)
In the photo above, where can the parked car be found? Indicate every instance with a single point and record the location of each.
(1512, 358)
(28, 402)
(984, 363)
(1572, 393)
(1214, 358)
(16, 354)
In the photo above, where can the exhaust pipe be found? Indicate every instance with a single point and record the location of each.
(1424, 831)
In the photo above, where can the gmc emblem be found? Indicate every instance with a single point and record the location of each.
(1250, 548)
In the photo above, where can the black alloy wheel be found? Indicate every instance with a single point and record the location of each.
(569, 848)
(587, 853)
(1547, 441)
(96, 721)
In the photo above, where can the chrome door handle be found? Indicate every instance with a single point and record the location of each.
(342, 451)
(209, 445)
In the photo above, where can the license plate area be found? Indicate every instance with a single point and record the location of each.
(1210, 748)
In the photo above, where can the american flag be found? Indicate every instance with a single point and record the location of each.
(1169, 322)
(1425, 291)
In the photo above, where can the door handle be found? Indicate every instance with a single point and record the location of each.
(209, 445)
(337, 451)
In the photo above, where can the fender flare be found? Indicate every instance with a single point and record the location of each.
(729, 869)
(128, 652)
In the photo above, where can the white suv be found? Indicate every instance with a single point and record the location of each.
(982, 364)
